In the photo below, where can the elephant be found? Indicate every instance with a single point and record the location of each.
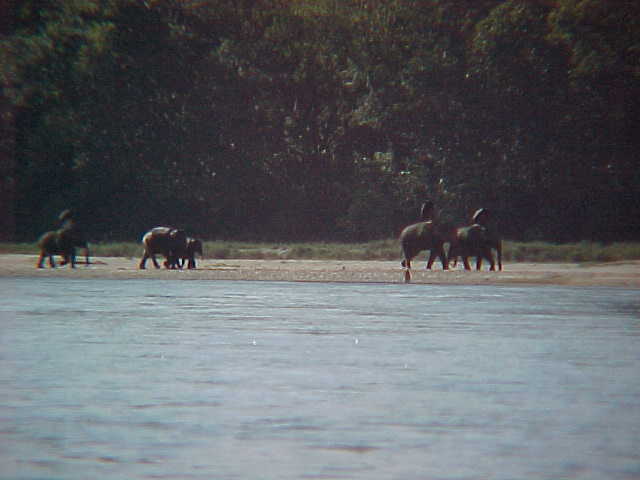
(185, 256)
(167, 241)
(194, 246)
(423, 236)
(78, 240)
(475, 241)
(58, 242)
(495, 243)
(68, 224)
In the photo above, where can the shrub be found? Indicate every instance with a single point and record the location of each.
(374, 250)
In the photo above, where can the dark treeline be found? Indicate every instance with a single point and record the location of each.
(322, 119)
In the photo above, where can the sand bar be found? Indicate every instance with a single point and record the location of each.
(612, 274)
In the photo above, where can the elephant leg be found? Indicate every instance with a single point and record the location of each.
(408, 256)
(489, 256)
(52, 262)
(171, 261)
(67, 258)
(492, 263)
(443, 258)
(192, 263)
(482, 254)
(153, 259)
(143, 261)
(452, 257)
(406, 264)
(433, 254)
(465, 261)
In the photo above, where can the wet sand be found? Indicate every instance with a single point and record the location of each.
(613, 274)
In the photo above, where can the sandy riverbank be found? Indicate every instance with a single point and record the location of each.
(615, 274)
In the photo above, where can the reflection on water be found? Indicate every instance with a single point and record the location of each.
(209, 379)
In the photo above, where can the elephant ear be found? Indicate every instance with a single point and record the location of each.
(481, 216)
(424, 228)
(65, 214)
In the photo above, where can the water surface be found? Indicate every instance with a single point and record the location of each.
(211, 379)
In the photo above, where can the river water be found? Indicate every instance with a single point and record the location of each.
(147, 379)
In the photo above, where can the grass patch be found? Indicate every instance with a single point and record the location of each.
(21, 248)
(540, 252)
(118, 249)
(581, 252)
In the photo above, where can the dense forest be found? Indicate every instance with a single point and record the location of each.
(321, 119)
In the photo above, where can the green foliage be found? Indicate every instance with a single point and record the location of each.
(388, 249)
(580, 252)
(116, 249)
(324, 119)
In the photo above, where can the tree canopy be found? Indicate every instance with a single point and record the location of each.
(322, 119)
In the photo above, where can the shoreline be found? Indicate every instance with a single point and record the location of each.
(625, 274)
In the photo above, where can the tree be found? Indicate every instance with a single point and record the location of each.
(603, 44)
(324, 119)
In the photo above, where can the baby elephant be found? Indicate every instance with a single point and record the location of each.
(58, 242)
(166, 241)
(194, 246)
(80, 242)
(185, 256)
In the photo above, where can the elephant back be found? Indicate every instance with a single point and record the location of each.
(157, 239)
(56, 241)
(47, 241)
(475, 234)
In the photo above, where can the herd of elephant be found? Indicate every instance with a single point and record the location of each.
(63, 242)
(174, 244)
(476, 240)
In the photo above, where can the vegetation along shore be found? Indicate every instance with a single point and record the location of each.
(583, 264)
(536, 252)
